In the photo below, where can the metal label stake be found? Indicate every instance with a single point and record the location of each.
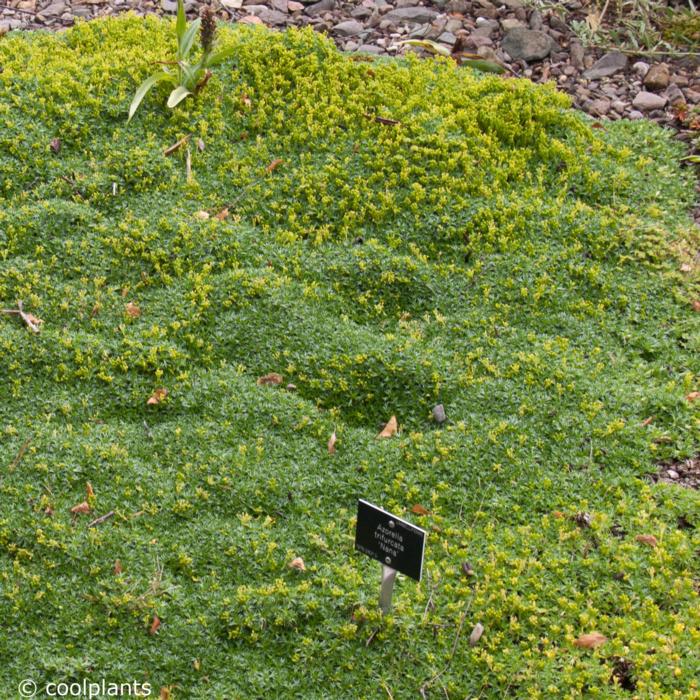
(387, 589)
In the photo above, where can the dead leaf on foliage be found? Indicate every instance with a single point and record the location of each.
(391, 428)
(647, 539)
(685, 267)
(56, 145)
(274, 165)
(558, 514)
(222, 214)
(692, 396)
(201, 215)
(467, 569)
(696, 305)
(475, 636)
(648, 421)
(165, 692)
(132, 310)
(418, 509)
(89, 490)
(200, 145)
(271, 379)
(157, 396)
(298, 564)
(246, 100)
(81, 509)
(176, 146)
(154, 625)
(331, 443)
(592, 640)
(117, 567)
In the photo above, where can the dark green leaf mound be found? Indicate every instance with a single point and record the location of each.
(386, 236)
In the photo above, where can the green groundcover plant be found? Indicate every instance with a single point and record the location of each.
(383, 235)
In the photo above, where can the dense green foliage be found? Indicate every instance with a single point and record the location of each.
(490, 251)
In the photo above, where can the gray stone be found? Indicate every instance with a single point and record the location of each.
(370, 48)
(527, 44)
(536, 22)
(266, 14)
(635, 114)
(609, 64)
(599, 107)
(318, 8)
(576, 54)
(675, 95)
(414, 15)
(657, 77)
(361, 13)
(647, 101)
(511, 4)
(350, 27)
(640, 68)
(439, 414)
(509, 24)
(672, 474)
(447, 38)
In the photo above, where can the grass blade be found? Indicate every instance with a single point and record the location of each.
(177, 96)
(145, 86)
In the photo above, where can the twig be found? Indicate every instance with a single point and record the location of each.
(101, 519)
(428, 683)
(20, 454)
(32, 321)
(188, 165)
(176, 146)
(383, 120)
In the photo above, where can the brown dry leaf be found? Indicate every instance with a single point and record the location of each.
(271, 379)
(157, 396)
(693, 395)
(89, 490)
(201, 215)
(154, 625)
(117, 567)
(696, 305)
(648, 421)
(558, 514)
(298, 564)
(593, 20)
(81, 509)
(274, 165)
(592, 640)
(222, 214)
(647, 539)
(418, 509)
(391, 428)
(132, 310)
(165, 692)
(56, 145)
(685, 267)
(176, 146)
(246, 100)
(331, 443)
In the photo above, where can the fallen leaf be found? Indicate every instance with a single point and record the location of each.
(165, 692)
(467, 569)
(157, 396)
(593, 20)
(558, 514)
(117, 567)
(297, 563)
(331, 443)
(391, 428)
(692, 395)
(200, 145)
(201, 215)
(274, 165)
(176, 146)
(56, 145)
(696, 305)
(89, 490)
(246, 100)
(418, 509)
(48, 511)
(197, 665)
(647, 539)
(648, 421)
(81, 509)
(132, 310)
(685, 267)
(222, 214)
(592, 640)
(475, 636)
(271, 379)
(154, 625)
